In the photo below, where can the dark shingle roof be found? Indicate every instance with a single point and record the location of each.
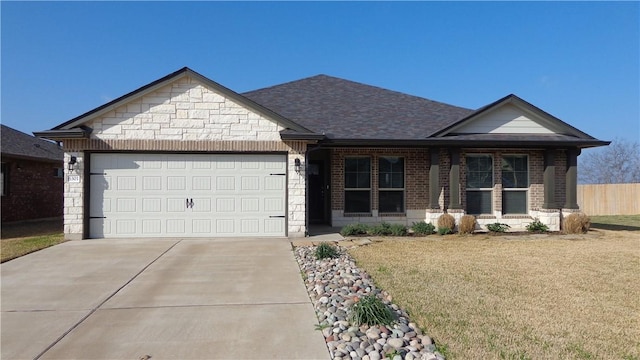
(18, 144)
(349, 110)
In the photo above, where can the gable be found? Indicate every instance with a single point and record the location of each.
(511, 116)
(184, 109)
(507, 119)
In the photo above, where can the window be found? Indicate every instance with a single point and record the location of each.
(58, 172)
(515, 183)
(4, 179)
(391, 184)
(357, 185)
(479, 173)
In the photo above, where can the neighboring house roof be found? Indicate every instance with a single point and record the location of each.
(343, 109)
(342, 112)
(20, 145)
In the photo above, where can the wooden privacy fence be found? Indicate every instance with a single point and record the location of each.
(609, 199)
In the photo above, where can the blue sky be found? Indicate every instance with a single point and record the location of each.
(578, 61)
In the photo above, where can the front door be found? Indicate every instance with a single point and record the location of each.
(317, 193)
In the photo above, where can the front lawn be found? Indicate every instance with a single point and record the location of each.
(13, 248)
(616, 222)
(484, 297)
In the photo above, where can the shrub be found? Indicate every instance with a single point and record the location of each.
(370, 310)
(398, 230)
(498, 227)
(326, 250)
(467, 224)
(537, 226)
(381, 229)
(354, 229)
(446, 221)
(423, 228)
(444, 231)
(576, 223)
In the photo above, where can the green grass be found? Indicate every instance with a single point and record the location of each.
(13, 248)
(616, 222)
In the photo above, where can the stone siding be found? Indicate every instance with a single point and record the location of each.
(184, 116)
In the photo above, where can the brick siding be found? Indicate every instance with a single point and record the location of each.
(416, 175)
(34, 192)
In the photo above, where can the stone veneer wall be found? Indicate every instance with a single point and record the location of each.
(183, 116)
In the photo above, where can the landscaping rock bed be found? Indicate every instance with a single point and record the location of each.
(334, 285)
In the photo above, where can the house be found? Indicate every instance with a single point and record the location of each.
(31, 177)
(187, 157)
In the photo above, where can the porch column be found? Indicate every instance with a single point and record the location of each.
(434, 179)
(454, 180)
(571, 178)
(549, 179)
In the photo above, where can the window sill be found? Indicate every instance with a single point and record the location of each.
(484, 216)
(357, 215)
(517, 216)
(400, 214)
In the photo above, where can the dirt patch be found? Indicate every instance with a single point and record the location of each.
(30, 228)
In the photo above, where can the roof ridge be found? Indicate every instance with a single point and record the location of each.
(356, 83)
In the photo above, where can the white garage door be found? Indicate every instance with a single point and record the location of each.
(187, 195)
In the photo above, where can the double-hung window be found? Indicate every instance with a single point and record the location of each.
(479, 190)
(391, 184)
(357, 185)
(515, 183)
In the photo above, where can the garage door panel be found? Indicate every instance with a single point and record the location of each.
(151, 226)
(151, 183)
(201, 226)
(250, 183)
(125, 226)
(176, 183)
(225, 183)
(274, 226)
(138, 195)
(175, 226)
(225, 226)
(249, 226)
(126, 205)
(249, 204)
(225, 205)
(274, 183)
(275, 205)
(201, 205)
(152, 205)
(176, 205)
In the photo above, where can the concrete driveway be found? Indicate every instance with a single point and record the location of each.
(167, 299)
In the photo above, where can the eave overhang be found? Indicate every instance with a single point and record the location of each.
(460, 143)
(62, 134)
(305, 136)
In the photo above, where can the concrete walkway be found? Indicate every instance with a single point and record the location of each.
(167, 299)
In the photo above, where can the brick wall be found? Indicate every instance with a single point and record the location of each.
(34, 191)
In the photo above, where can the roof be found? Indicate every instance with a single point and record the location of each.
(21, 145)
(335, 111)
(343, 109)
